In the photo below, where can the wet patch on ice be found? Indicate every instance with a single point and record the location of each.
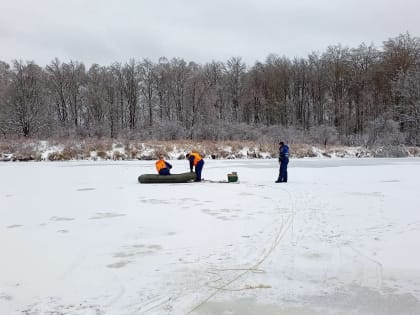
(61, 219)
(250, 307)
(54, 305)
(222, 214)
(350, 300)
(14, 226)
(138, 250)
(119, 264)
(143, 249)
(364, 300)
(154, 247)
(390, 181)
(63, 231)
(317, 256)
(86, 189)
(155, 201)
(106, 215)
(367, 194)
(123, 255)
(414, 226)
(132, 252)
(5, 297)
(189, 200)
(184, 203)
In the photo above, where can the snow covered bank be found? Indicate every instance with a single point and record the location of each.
(109, 149)
(85, 238)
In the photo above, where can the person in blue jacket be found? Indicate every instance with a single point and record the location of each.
(163, 167)
(283, 160)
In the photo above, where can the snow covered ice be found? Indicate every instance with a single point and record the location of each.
(342, 237)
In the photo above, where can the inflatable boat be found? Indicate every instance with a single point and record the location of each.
(165, 179)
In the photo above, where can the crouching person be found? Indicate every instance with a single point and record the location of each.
(163, 167)
(196, 162)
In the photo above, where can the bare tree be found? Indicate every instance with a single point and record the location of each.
(337, 61)
(407, 110)
(363, 60)
(57, 86)
(96, 100)
(131, 80)
(324, 134)
(179, 73)
(110, 90)
(197, 91)
(5, 88)
(235, 83)
(26, 107)
(214, 77)
(75, 77)
(277, 91)
(147, 87)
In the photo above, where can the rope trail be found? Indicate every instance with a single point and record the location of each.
(284, 227)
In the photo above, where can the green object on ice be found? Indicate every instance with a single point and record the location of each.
(232, 177)
(166, 179)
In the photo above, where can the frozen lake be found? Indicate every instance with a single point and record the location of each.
(83, 238)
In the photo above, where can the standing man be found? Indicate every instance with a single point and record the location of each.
(162, 166)
(196, 161)
(283, 160)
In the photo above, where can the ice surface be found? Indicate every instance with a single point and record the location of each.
(341, 237)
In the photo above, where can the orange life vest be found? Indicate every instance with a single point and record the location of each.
(197, 157)
(160, 164)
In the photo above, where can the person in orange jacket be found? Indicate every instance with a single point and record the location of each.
(197, 162)
(162, 166)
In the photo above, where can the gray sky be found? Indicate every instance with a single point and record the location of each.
(104, 31)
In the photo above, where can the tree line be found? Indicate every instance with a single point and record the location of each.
(353, 96)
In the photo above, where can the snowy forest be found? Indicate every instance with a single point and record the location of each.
(347, 96)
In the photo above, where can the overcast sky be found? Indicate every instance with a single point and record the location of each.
(105, 31)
